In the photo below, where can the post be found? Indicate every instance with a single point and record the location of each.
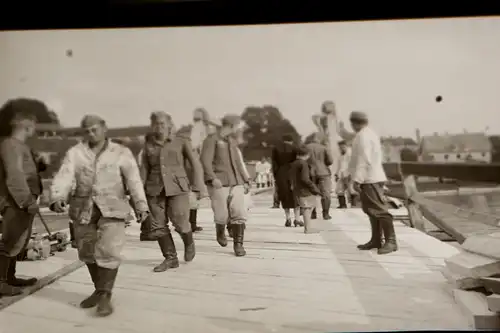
(416, 217)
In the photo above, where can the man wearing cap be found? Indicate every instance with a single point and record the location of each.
(20, 186)
(167, 185)
(368, 177)
(227, 181)
(321, 158)
(197, 132)
(101, 170)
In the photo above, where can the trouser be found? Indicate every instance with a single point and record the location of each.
(101, 240)
(229, 204)
(276, 200)
(325, 188)
(344, 189)
(162, 210)
(16, 231)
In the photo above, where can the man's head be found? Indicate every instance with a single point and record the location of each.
(200, 114)
(23, 124)
(231, 125)
(94, 129)
(302, 153)
(161, 124)
(343, 147)
(328, 107)
(359, 120)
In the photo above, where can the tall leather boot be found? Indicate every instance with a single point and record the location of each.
(18, 282)
(375, 241)
(5, 288)
(189, 248)
(72, 236)
(106, 283)
(314, 215)
(167, 247)
(325, 204)
(220, 230)
(354, 201)
(93, 299)
(238, 236)
(390, 243)
(229, 230)
(342, 202)
(193, 215)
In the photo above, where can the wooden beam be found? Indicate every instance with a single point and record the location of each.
(416, 217)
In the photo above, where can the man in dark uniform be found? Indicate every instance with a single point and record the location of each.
(20, 187)
(321, 159)
(167, 188)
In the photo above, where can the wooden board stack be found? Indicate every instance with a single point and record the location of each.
(474, 276)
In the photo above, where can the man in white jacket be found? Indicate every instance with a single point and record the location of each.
(368, 177)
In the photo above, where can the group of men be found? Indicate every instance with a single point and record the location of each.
(100, 179)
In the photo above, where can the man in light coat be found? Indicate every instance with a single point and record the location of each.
(368, 176)
(344, 186)
(101, 170)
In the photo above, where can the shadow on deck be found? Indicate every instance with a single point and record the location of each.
(288, 282)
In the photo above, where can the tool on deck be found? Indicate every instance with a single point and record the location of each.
(58, 241)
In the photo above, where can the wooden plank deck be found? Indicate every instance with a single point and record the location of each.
(288, 282)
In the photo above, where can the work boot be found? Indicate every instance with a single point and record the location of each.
(229, 230)
(189, 248)
(390, 244)
(72, 235)
(326, 215)
(18, 282)
(220, 230)
(167, 247)
(297, 223)
(238, 236)
(288, 223)
(106, 283)
(314, 215)
(375, 241)
(5, 288)
(193, 215)
(342, 202)
(325, 204)
(93, 299)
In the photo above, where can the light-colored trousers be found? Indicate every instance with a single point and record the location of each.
(229, 204)
(344, 187)
(101, 240)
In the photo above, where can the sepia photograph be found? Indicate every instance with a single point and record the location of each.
(285, 178)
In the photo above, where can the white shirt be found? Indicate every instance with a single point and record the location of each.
(343, 164)
(366, 158)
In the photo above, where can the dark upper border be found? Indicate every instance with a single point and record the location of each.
(23, 15)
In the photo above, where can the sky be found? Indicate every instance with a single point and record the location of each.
(392, 70)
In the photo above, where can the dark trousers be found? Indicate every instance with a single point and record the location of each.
(16, 231)
(374, 204)
(325, 187)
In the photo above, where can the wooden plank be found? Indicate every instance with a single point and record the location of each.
(416, 217)
(493, 302)
(486, 245)
(472, 265)
(475, 308)
(461, 282)
(492, 284)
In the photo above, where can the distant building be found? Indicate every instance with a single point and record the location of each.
(464, 147)
(392, 147)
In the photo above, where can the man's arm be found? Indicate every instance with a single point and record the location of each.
(328, 156)
(196, 168)
(143, 164)
(274, 162)
(12, 160)
(363, 161)
(64, 179)
(305, 176)
(131, 176)
(207, 158)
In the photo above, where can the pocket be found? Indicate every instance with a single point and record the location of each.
(183, 183)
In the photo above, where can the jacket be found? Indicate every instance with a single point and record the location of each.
(302, 179)
(100, 179)
(366, 166)
(321, 158)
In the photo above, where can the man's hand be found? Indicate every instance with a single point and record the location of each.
(142, 216)
(216, 183)
(336, 177)
(246, 187)
(357, 187)
(33, 208)
(58, 207)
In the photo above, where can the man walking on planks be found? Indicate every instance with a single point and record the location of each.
(20, 186)
(101, 170)
(368, 176)
(227, 181)
(321, 159)
(163, 171)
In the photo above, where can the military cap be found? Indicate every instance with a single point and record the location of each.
(231, 120)
(358, 116)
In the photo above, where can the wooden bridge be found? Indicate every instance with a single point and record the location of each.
(291, 282)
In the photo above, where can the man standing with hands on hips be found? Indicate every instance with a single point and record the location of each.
(101, 170)
(368, 177)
